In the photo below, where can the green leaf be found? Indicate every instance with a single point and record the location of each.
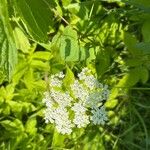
(83, 53)
(130, 41)
(21, 69)
(36, 16)
(42, 55)
(27, 107)
(143, 48)
(8, 52)
(66, 2)
(87, 53)
(127, 81)
(29, 78)
(134, 62)
(130, 79)
(5, 110)
(2, 76)
(58, 140)
(102, 62)
(111, 103)
(8, 92)
(143, 4)
(30, 126)
(40, 84)
(146, 31)
(69, 77)
(16, 107)
(38, 64)
(15, 127)
(21, 40)
(144, 74)
(69, 48)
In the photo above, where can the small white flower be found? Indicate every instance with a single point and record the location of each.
(62, 98)
(86, 94)
(91, 82)
(47, 100)
(60, 75)
(79, 108)
(94, 99)
(55, 82)
(81, 120)
(63, 124)
(64, 129)
(99, 116)
(83, 74)
(86, 70)
(49, 115)
(79, 91)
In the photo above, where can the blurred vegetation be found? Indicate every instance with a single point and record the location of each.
(41, 37)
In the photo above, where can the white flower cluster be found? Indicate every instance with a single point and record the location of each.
(77, 106)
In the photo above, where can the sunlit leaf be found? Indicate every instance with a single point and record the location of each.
(36, 16)
(21, 40)
(69, 48)
(8, 52)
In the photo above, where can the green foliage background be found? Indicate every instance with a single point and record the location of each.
(41, 37)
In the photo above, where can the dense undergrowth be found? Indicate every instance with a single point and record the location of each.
(43, 37)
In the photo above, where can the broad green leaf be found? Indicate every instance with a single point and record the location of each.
(46, 45)
(69, 77)
(69, 48)
(43, 55)
(2, 76)
(58, 140)
(130, 79)
(27, 107)
(73, 8)
(29, 78)
(130, 41)
(84, 10)
(66, 2)
(38, 64)
(5, 110)
(143, 4)
(36, 16)
(83, 53)
(111, 103)
(146, 31)
(144, 74)
(40, 84)
(2, 92)
(55, 45)
(15, 126)
(132, 62)
(21, 40)
(21, 69)
(127, 81)
(7, 92)
(87, 53)
(143, 48)
(8, 52)
(30, 126)
(102, 62)
(15, 107)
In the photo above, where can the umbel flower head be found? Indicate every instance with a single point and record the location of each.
(77, 106)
